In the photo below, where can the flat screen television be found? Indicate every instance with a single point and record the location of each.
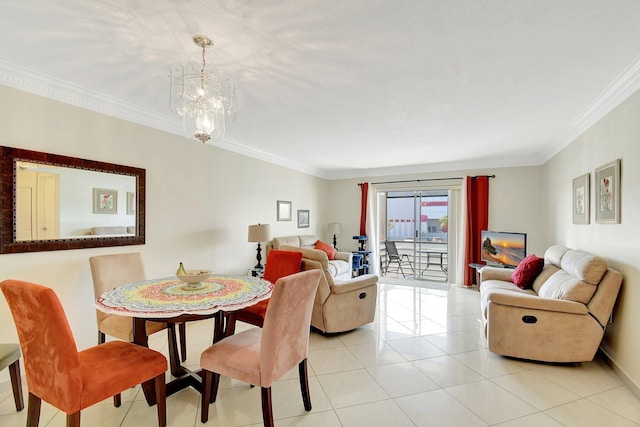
(503, 249)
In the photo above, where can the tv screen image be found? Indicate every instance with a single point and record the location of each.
(499, 247)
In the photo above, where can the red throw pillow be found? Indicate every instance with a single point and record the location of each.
(330, 250)
(527, 271)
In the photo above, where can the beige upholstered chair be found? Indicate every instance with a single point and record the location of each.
(64, 377)
(111, 271)
(10, 357)
(339, 305)
(260, 356)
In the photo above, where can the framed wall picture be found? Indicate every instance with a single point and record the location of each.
(284, 210)
(581, 201)
(105, 201)
(303, 219)
(607, 186)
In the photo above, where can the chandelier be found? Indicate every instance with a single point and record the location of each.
(204, 98)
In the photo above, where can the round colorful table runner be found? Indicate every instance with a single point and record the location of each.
(168, 297)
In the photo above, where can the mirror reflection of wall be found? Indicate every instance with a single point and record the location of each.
(55, 202)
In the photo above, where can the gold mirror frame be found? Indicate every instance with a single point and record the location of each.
(8, 241)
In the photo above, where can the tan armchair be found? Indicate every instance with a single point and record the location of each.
(339, 305)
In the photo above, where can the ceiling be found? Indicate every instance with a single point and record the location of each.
(345, 88)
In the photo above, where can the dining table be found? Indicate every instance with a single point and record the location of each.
(173, 301)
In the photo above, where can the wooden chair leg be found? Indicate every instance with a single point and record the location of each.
(304, 384)
(267, 409)
(182, 329)
(206, 395)
(214, 387)
(33, 410)
(161, 400)
(16, 384)
(73, 420)
(117, 400)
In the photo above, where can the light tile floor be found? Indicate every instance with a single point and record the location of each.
(423, 362)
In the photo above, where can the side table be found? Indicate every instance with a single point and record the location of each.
(477, 267)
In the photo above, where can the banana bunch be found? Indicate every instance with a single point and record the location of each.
(181, 270)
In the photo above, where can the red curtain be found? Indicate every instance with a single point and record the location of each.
(477, 220)
(364, 189)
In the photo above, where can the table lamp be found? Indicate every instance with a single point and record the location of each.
(259, 233)
(334, 228)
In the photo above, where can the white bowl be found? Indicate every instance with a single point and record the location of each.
(194, 276)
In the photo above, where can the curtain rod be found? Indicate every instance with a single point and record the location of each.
(426, 180)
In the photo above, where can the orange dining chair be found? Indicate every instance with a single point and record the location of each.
(279, 264)
(260, 356)
(66, 378)
(10, 357)
(111, 271)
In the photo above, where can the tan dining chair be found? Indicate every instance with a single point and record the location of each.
(260, 356)
(111, 271)
(10, 358)
(279, 264)
(64, 377)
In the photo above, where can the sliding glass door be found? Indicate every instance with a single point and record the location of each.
(416, 224)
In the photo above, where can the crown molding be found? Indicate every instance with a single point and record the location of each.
(39, 84)
(620, 89)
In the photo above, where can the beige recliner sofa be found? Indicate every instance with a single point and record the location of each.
(339, 305)
(339, 268)
(562, 319)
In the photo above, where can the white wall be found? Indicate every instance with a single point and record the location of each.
(616, 136)
(515, 196)
(200, 201)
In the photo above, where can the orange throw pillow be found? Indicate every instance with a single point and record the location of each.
(330, 250)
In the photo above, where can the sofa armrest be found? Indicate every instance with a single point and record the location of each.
(343, 286)
(344, 256)
(308, 253)
(534, 302)
(495, 273)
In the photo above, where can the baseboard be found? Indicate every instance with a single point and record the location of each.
(620, 373)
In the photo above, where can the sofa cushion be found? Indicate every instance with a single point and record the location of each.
(562, 285)
(526, 272)
(328, 249)
(547, 271)
(308, 241)
(278, 242)
(554, 254)
(338, 268)
(584, 266)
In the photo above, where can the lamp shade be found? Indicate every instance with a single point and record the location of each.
(259, 233)
(334, 228)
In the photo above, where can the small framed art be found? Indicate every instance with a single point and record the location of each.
(303, 219)
(580, 202)
(284, 210)
(105, 201)
(607, 193)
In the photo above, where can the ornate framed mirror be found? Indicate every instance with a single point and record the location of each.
(52, 202)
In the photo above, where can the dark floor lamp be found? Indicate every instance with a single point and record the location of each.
(259, 233)
(334, 228)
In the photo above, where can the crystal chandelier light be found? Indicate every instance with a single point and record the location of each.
(204, 98)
